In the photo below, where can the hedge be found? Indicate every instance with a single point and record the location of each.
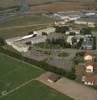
(40, 64)
(94, 43)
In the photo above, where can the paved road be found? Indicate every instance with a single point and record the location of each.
(71, 88)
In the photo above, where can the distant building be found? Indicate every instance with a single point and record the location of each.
(46, 30)
(38, 39)
(87, 43)
(69, 39)
(23, 43)
(73, 17)
(60, 22)
(68, 15)
(90, 22)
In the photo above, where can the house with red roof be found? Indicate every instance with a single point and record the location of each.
(88, 56)
(89, 66)
(88, 78)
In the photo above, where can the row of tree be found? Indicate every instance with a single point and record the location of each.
(41, 64)
(63, 29)
(2, 41)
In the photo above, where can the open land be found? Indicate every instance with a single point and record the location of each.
(8, 3)
(62, 6)
(73, 89)
(22, 24)
(19, 82)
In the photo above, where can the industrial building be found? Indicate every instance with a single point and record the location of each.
(89, 21)
(23, 43)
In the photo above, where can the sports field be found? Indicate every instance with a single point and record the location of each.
(18, 81)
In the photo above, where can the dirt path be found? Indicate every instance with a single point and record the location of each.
(18, 87)
(68, 87)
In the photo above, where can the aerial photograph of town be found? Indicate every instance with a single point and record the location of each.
(48, 49)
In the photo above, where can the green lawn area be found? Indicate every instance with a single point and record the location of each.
(48, 45)
(14, 73)
(63, 54)
(94, 29)
(36, 91)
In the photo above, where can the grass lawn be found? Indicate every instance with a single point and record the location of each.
(47, 45)
(36, 91)
(14, 72)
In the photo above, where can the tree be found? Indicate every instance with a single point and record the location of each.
(30, 33)
(78, 45)
(44, 33)
(62, 29)
(2, 41)
(85, 31)
(71, 75)
(74, 40)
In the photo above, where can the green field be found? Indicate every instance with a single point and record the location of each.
(18, 80)
(36, 91)
(13, 72)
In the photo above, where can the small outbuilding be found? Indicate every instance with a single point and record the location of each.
(53, 78)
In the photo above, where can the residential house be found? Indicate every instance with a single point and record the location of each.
(89, 66)
(88, 56)
(89, 80)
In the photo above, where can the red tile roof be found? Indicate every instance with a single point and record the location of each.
(89, 62)
(89, 78)
(88, 53)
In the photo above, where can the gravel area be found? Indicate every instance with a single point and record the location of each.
(71, 88)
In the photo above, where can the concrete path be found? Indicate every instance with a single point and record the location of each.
(71, 88)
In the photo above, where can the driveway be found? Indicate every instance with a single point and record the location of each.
(71, 88)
